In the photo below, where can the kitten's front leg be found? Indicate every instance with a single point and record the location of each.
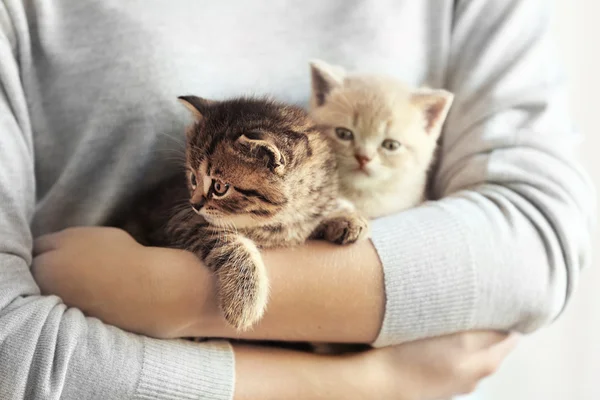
(243, 285)
(344, 226)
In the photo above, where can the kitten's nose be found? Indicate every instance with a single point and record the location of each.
(198, 205)
(362, 159)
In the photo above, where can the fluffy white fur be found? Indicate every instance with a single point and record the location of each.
(375, 109)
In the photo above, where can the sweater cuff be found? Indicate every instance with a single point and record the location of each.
(428, 272)
(177, 370)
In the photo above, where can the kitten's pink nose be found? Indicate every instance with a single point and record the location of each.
(362, 160)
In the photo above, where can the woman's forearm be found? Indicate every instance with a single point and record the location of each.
(274, 374)
(319, 292)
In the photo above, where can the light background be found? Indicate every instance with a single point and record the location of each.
(562, 362)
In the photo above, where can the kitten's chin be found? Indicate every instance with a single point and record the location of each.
(363, 180)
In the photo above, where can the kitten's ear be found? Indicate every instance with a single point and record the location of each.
(261, 148)
(197, 105)
(435, 105)
(324, 78)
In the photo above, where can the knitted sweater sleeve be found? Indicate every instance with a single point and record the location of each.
(503, 246)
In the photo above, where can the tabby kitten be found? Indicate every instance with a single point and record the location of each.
(259, 174)
(384, 134)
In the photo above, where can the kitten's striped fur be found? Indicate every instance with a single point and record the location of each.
(260, 175)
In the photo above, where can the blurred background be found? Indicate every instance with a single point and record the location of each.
(562, 362)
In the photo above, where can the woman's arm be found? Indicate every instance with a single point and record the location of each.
(503, 246)
(274, 374)
(319, 292)
(425, 370)
(167, 293)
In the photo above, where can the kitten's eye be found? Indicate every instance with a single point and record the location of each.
(193, 180)
(391, 145)
(220, 188)
(344, 134)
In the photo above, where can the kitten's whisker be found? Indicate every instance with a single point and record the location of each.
(177, 160)
(232, 227)
(171, 152)
(178, 140)
(179, 207)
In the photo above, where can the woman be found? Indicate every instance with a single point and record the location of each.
(88, 114)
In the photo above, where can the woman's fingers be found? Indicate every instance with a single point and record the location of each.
(51, 241)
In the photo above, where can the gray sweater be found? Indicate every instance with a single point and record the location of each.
(88, 114)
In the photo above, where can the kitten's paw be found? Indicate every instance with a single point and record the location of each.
(243, 287)
(243, 300)
(345, 229)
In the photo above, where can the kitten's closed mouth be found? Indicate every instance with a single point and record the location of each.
(360, 170)
(198, 212)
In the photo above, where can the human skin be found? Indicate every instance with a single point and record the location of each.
(319, 292)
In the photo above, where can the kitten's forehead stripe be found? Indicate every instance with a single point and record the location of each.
(213, 145)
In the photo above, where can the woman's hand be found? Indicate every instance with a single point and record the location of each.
(105, 273)
(440, 367)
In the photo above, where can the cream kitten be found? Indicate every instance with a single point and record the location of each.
(384, 134)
